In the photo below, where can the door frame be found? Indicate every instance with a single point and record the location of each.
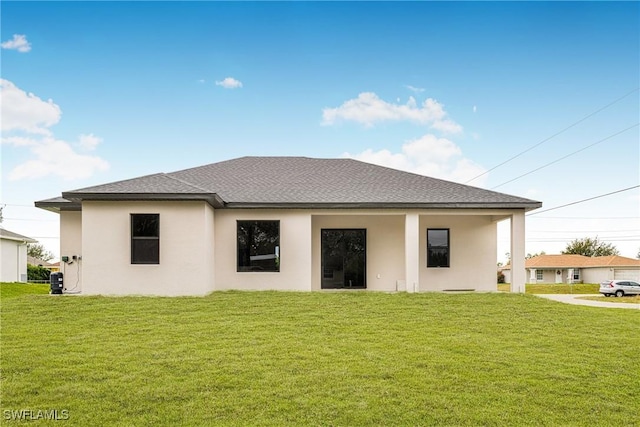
(364, 265)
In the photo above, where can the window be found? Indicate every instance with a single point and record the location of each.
(539, 275)
(438, 247)
(258, 246)
(145, 239)
(576, 274)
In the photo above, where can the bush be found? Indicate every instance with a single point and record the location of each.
(36, 272)
(500, 277)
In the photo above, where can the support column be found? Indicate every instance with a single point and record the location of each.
(518, 273)
(532, 276)
(412, 251)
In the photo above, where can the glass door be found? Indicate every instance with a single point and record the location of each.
(344, 258)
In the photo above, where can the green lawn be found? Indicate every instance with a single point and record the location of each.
(552, 288)
(341, 359)
(633, 299)
(11, 290)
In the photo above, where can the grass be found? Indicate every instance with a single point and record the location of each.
(341, 359)
(632, 299)
(12, 290)
(560, 288)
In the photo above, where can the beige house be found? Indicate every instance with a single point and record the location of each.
(13, 256)
(284, 223)
(578, 269)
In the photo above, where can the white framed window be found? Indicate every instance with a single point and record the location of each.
(539, 275)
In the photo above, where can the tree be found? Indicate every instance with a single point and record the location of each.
(535, 255)
(38, 250)
(590, 247)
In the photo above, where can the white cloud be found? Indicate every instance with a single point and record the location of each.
(25, 111)
(89, 142)
(229, 83)
(475, 108)
(414, 89)
(57, 158)
(368, 109)
(428, 155)
(18, 42)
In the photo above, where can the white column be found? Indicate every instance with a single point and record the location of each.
(532, 276)
(412, 251)
(518, 273)
(570, 275)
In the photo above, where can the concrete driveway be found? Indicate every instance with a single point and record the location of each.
(574, 299)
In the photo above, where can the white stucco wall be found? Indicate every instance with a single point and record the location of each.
(473, 247)
(70, 245)
(295, 251)
(198, 249)
(597, 275)
(13, 263)
(186, 242)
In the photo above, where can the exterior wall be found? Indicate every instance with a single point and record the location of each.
(548, 276)
(70, 245)
(385, 247)
(13, 263)
(198, 249)
(472, 252)
(185, 266)
(597, 275)
(295, 251)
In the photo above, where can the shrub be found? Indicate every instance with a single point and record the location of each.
(36, 272)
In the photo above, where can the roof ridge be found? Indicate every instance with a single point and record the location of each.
(168, 175)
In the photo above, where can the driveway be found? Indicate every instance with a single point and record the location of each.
(573, 299)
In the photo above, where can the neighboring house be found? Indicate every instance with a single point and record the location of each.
(578, 269)
(284, 223)
(13, 253)
(42, 263)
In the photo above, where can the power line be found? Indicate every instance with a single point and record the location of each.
(554, 135)
(584, 200)
(564, 157)
(588, 217)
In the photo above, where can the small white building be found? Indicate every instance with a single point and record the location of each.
(13, 253)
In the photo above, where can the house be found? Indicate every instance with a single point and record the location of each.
(42, 263)
(284, 223)
(579, 269)
(13, 253)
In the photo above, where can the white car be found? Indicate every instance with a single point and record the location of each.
(619, 288)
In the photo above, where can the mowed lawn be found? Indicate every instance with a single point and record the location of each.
(336, 358)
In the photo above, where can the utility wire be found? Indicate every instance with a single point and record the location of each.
(584, 200)
(554, 135)
(564, 157)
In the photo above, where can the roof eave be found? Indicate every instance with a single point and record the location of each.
(212, 198)
(380, 205)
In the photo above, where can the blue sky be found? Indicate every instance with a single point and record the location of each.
(94, 92)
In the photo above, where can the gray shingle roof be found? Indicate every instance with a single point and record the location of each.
(10, 235)
(304, 182)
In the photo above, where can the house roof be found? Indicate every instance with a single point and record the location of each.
(37, 261)
(577, 261)
(298, 182)
(10, 235)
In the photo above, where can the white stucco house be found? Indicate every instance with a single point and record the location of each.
(567, 268)
(13, 256)
(285, 223)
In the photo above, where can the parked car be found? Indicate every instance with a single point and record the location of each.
(619, 288)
